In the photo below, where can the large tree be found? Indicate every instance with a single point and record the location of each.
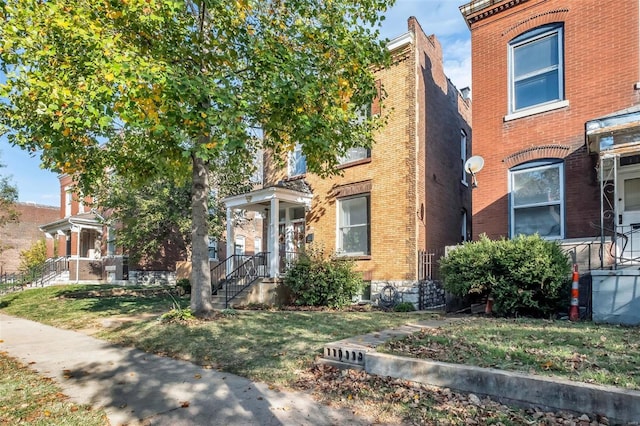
(151, 88)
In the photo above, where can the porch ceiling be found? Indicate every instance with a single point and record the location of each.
(618, 132)
(84, 221)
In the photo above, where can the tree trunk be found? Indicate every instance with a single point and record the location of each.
(200, 273)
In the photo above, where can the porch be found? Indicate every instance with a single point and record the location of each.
(283, 208)
(615, 138)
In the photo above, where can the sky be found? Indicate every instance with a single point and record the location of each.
(439, 17)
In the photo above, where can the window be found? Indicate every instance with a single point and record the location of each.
(239, 245)
(463, 226)
(353, 225)
(297, 161)
(257, 245)
(355, 154)
(213, 248)
(537, 199)
(463, 154)
(536, 68)
(68, 198)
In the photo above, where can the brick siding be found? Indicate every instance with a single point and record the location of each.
(21, 235)
(600, 69)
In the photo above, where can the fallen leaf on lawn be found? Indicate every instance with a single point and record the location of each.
(31, 362)
(184, 404)
(47, 413)
(74, 408)
(198, 376)
(547, 365)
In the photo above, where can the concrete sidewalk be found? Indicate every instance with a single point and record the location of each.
(135, 387)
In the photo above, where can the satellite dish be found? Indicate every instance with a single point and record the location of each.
(473, 165)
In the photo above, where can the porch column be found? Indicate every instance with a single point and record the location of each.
(230, 236)
(274, 267)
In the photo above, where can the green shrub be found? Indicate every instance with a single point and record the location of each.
(314, 280)
(184, 286)
(525, 276)
(404, 307)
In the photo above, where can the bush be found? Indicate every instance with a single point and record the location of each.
(184, 286)
(33, 258)
(525, 276)
(314, 280)
(404, 307)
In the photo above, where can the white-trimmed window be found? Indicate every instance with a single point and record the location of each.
(355, 154)
(239, 245)
(213, 248)
(257, 245)
(68, 199)
(297, 161)
(536, 192)
(536, 68)
(354, 225)
(463, 155)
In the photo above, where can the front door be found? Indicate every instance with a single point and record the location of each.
(291, 234)
(628, 219)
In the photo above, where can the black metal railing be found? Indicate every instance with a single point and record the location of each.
(36, 277)
(247, 270)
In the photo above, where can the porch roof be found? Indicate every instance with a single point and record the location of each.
(618, 131)
(83, 220)
(293, 192)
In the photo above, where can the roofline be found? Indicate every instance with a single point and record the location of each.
(477, 10)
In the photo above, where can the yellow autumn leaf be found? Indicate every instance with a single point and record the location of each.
(66, 131)
(109, 77)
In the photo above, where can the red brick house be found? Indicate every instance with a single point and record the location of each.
(408, 194)
(22, 234)
(557, 120)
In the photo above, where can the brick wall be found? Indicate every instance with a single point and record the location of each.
(600, 69)
(22, 234)
(418, 96)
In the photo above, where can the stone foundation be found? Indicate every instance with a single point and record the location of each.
(426, 294)
(152, 278)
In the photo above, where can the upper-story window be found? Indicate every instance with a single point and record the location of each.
(297, 161)
(355, 154)
(537, 199)
(536, 68)
(68, 199)
(463, 155)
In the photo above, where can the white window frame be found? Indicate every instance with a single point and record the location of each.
(212, 246)
(355, 154)
(535, 35)
(295, 159)
(463, 155)
(68, 201)
(239, 245)
(339, 227)
(257, 245)
(531, 167)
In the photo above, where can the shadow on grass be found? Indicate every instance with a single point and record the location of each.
(136, 386)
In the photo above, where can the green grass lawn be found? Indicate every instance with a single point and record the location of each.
(582, 351)
(269, 346)
(27, 398)
(278, 347)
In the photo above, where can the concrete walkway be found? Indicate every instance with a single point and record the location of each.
(135, 387)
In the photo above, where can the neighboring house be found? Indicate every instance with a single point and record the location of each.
(408, 194)
(557, 120)
(81, 236)
(20, 235)
(78, 235)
